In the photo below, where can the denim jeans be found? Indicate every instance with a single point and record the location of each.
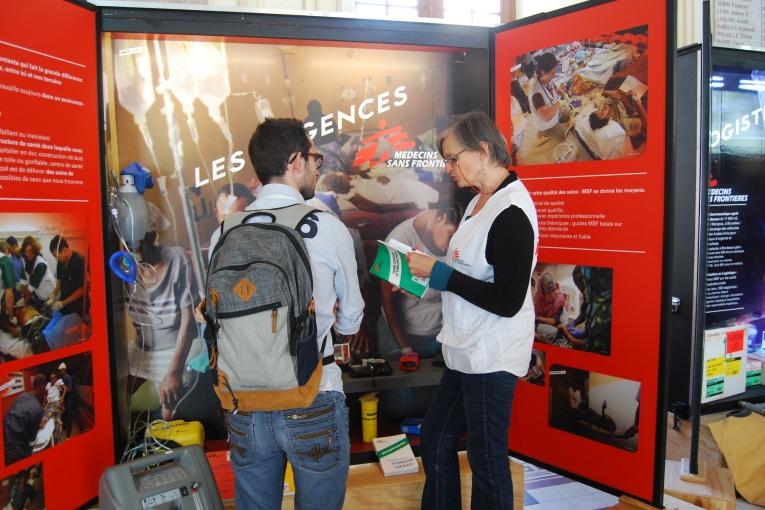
(479, 404)
(315, 441)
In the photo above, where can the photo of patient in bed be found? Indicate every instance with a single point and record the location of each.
(596, 406)
(582, 100)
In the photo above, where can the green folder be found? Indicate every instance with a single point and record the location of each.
(390, 265)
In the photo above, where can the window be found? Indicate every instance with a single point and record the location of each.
(482, 12)
(385, 8)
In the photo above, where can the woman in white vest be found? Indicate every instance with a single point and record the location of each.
(488, 316)
(544, 100)
(39, 282)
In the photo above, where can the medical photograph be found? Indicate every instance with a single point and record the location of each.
(536, 373)
(23, 490)
(46, 405)
(573, 306)
(582, 100)
(596, 406)
(44, 282)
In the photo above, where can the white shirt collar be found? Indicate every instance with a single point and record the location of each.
(278, 192)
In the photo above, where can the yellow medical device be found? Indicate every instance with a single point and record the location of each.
(183, 432)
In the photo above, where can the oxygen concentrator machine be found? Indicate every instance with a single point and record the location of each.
(178, 480)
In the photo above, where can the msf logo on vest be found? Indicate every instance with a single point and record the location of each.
(456, 260)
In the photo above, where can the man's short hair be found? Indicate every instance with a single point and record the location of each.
(58, 243)
(271, 145)
(546, 62)
(39, 380)
(12, 241)
(4, 248)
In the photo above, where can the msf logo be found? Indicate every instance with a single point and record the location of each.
(381, 146)
(456, 260)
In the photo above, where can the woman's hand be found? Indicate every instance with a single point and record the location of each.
(169, 391)
(420, 265)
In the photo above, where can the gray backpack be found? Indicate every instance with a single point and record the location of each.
(260, 313)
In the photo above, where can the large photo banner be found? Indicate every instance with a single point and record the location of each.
(186, 107)
(55, 395)
(572, 94)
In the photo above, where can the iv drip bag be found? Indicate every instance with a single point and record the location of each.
(133, 77)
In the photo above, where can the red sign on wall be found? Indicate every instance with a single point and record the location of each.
(572, 93)
(57, 426)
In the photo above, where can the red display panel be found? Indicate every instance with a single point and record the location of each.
(50, 187)
(572, 95)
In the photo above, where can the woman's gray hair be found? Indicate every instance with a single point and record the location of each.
(470, 129)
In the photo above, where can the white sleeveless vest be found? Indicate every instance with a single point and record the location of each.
(549, 97)
(474, 340)
(48, 283)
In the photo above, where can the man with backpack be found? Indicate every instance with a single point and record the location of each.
(270, 313)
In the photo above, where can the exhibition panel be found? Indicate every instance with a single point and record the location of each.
(183, 91)
(735, 286)
(572, 93)
(56, 397)
(184, 107)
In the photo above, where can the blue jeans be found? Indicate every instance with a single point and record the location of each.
(480, 405)
(315, 441)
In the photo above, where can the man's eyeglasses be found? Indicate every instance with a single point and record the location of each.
(318, 158)
(453, 159)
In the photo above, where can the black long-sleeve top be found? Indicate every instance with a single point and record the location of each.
(510, 250)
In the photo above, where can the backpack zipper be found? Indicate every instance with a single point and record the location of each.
(249, 311)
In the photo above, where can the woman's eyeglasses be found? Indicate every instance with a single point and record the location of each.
(453, 159)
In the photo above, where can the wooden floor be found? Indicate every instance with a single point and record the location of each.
(369, 490)
(679, 442)
(717, 492)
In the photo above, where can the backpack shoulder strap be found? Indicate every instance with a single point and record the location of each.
(291, 216)
(232, 220)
